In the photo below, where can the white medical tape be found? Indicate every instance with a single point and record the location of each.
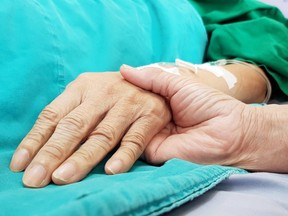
(187, 65)
(218, 71)
(170, 69)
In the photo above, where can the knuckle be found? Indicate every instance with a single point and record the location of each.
(158, 110)
(102, 138)
(155, 105)
(135, 141)
(98, 144)
(134, 97)
(71, 85)
(105, 134)
(49, 115)
(80, 82)
(130, 152)
(34, 138)
(76, 123)
(87, 155)
(55, 151)
(83, 76)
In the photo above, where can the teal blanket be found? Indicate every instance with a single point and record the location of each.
(145, 190)
(46, 44)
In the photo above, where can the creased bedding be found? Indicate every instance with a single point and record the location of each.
(145, 190)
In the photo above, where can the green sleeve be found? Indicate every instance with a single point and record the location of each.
(248, 30)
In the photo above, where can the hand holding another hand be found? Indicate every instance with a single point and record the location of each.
(210, 127)
(98, 111)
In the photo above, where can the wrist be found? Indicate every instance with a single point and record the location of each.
(266, 139)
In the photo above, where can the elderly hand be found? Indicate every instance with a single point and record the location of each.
(210, 127)
(81, 126)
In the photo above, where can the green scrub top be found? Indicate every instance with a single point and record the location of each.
(249, 30)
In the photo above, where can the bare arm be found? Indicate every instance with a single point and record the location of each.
(250, 86)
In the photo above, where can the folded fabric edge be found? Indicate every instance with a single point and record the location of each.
(172, 185)
(200, 190)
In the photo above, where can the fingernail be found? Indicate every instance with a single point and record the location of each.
(127, 67)
(65, 172)
(34, 176)
(20, 160)
(115, 166)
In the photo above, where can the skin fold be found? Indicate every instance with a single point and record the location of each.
(210, 127)
(98, 111)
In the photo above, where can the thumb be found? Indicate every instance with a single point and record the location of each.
(156, 80)
(185, 95)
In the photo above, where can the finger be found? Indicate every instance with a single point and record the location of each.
(44, 128)
(100, 142)
(69, 133)
(196, 146)
(162, 148)
(153, 154)
(155, 80)
(134, 143)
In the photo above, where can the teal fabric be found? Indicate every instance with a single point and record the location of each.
(43, 46)
(145, 190)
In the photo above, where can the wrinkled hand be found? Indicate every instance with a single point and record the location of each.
(82, 125)
(208, 126)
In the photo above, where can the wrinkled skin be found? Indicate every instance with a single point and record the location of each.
(210, 127)
(98, 111)
(86, 122)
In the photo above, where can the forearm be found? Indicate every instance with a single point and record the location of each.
(249, 88)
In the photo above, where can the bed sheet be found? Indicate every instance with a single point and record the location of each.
(252, 194)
